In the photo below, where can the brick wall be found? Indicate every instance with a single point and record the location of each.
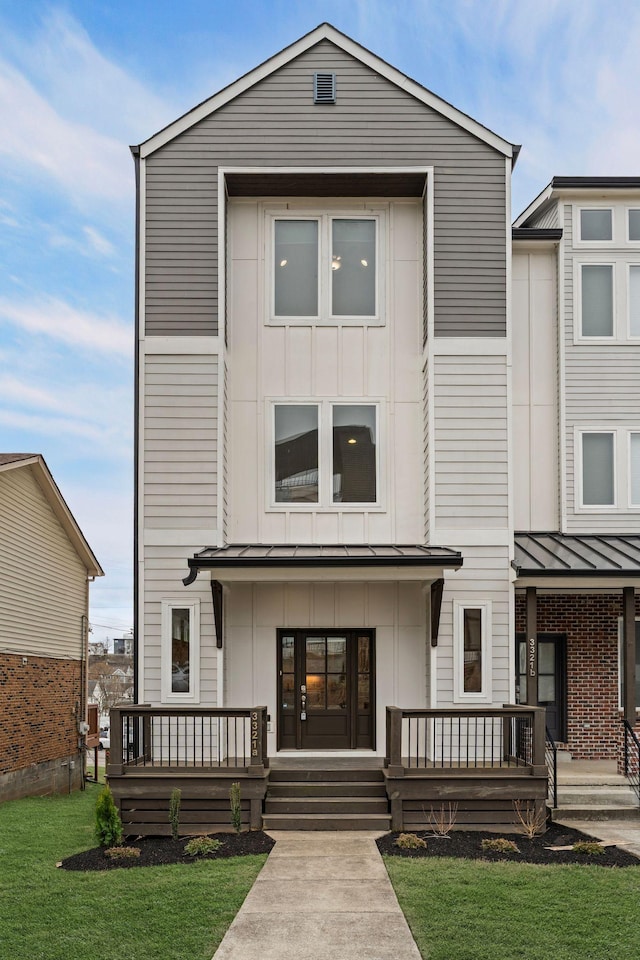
(38, 725)
(590, 622)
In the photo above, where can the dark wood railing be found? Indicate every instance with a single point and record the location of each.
(460, 739)
(551, 756)
(632, 757)
(183, 738)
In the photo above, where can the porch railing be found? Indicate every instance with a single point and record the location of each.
(491, 738)
(180, 738)
(551, 756)
(632, 757)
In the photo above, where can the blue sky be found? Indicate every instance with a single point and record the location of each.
(81, 80)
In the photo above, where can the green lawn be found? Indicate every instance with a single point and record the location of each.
(166, 913)
(464, 910)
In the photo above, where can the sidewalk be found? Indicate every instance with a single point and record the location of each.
(626, 832)
(320, 896)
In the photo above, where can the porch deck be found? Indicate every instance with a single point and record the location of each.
(476, 762)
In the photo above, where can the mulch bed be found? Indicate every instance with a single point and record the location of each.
(155, 851)
(466, 844)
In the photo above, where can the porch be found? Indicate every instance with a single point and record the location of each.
(477, 763)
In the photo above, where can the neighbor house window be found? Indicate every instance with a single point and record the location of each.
(634, 225)
(296, 453)
(180, 650)
(621, 664)
(596, 296)
(325, 454)
(326, 267)
(471, 657)
(598, 469)
(596, 225)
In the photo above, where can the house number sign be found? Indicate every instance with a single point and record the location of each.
(254, 733)
(532, 656)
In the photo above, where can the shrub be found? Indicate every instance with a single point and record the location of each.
(590, 848)
(531, 818)
(236, 807)
(122, 853)
(499, 845)
(108, 822)
(410, 841)
(174, 813)
(442, 820)
(200, 846)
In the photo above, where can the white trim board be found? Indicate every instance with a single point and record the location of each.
(324, 32)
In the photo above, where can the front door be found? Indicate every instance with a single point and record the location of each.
(552, 671)
(325, 689)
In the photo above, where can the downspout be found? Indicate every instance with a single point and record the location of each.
(135, 151)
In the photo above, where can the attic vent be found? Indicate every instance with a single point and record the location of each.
(324, 88)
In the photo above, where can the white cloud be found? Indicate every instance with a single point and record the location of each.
(58, 320)
(99, 243)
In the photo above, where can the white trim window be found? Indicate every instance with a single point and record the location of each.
(471, 654)
(595, 224)
(621, 665)
(596, 301)
(180, 664)
(597, 450)
(326, 267)
(324, 454)
(633, 225)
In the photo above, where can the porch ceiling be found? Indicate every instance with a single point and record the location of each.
(611, 560)
(284, 561)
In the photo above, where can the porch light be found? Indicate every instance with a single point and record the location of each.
(365, 263)
(352, 440)
(283, 263)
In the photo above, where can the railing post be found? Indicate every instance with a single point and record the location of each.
(393, 760)
(507, 734)
(539, 736)
(115, 751)
(146, 738)
(258, 742)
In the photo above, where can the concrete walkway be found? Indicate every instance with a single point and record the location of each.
(319, 896)
(625, 832)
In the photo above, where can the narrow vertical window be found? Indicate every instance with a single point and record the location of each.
(598, 474)
(634, 300)
(354, 453)
(634, 225)
(296, 268)
(634, 471)
(353, 268)
(296, 453)
(472, 650)
(180, 650)
(597, 300)
(595, 225)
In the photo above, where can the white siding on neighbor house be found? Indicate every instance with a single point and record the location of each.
(397, 612)
(365, 363)
(601, 385)
(471, 441)
(43, 583)
(535, 390)
(179, 503)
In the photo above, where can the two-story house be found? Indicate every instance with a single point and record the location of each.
(576, 457)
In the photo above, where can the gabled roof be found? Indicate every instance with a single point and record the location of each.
(559, 184)
(36, 463)
(323, 32)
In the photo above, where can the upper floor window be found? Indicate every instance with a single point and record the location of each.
(609, 468)
(598, 469)
(325, 454)
(633, 225)
(596, 224)
(596, 297)
(326, 267)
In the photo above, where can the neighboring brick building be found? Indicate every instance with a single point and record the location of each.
(45, 569)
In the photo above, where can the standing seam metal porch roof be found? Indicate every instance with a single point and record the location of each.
(322, 555)
(560, 555)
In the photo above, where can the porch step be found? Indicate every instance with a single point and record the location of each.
(593, 811)
(322, 798)
(616, 795)
(333, 821)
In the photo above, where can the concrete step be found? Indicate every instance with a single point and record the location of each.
(372, 775)
(326, 788)
(594, 811)
(621, 795)
(335, 821)
(326, 805)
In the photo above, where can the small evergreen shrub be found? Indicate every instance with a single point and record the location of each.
(108, 822)
(236, 807)
(410, 841)
(174, 813)
(499, 845)
(122, 853)
(201, 846)
(590, 848)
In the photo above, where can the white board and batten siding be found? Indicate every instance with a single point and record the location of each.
(601, 385)
(179, 484)
(43, 582)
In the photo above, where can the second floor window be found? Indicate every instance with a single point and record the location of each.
(325, 268)
(325, 454)
(609, 469)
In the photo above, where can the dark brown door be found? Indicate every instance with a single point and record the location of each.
(552, 673)
(325, 689)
